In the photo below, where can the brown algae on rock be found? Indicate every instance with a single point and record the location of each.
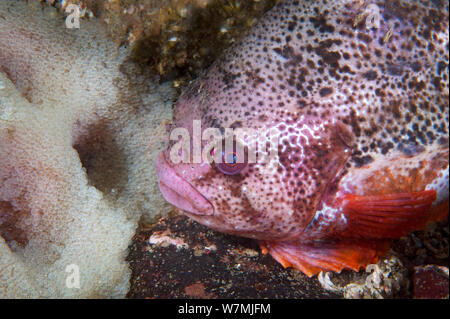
(174, 37)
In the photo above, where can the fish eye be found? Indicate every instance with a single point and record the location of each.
(231, 163)
(230, 158)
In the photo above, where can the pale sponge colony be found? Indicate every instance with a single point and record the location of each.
(80, 126)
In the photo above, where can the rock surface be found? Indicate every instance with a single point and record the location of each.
(196, 262)
(430, 281)
(173, 37)
(178, 258)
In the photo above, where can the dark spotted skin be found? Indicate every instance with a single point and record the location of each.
(345, 100)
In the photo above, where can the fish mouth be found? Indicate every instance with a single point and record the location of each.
(179, 192)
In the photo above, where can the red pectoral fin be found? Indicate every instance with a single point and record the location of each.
(387, 216)
(328, 255)
(371, 224)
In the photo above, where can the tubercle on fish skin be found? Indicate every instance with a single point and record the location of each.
(441, 186)
(327, 220)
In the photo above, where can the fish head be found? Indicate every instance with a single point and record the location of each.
(260, 175)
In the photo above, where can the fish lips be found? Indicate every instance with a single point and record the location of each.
(178, 191)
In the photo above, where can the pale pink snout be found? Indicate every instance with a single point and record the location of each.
(179, 192)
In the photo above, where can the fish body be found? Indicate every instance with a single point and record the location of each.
(356, 94)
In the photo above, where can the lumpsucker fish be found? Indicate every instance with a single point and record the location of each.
(356, 93)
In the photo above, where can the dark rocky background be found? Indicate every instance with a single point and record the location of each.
(188, 260)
